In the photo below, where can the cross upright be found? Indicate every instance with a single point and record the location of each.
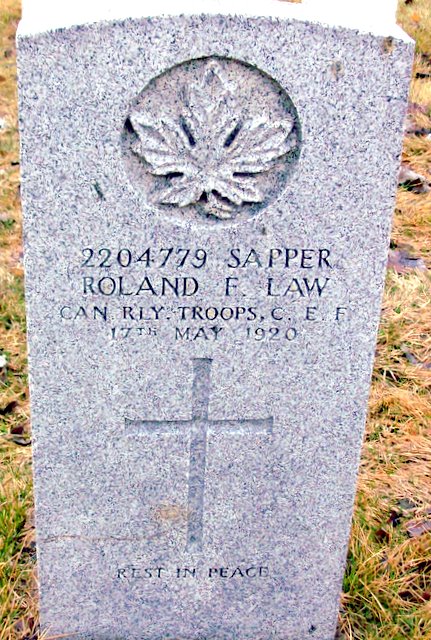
(198, 427)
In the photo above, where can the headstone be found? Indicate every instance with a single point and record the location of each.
(208, 196)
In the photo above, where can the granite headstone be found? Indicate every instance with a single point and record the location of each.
(207, 195)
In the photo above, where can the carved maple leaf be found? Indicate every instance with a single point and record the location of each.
(212, 152)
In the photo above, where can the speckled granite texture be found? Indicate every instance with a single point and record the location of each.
(207, 204)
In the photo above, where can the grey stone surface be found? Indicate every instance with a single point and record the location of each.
(199, 379)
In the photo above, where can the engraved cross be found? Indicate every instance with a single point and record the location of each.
(198, 427)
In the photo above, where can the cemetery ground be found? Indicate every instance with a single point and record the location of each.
(387, 585)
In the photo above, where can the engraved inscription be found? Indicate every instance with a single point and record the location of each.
(198, 427)
(213, 149)
(151, 291)
(135, 572)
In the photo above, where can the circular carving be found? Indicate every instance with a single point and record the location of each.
(212, 138)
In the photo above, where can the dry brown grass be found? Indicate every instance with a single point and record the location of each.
(18, 610)
(388, 582)
(387, 587)
(388, 579)
(415, 17)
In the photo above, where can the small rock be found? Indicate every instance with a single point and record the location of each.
(401, 261)
(382, 535)
(8, 408)
(413, 181)
(394, 518)
(416, 528)
(18, 430)
(21, 440)
(406, 504)
(412, 358)
(19, 626)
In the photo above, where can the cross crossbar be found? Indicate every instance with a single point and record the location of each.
(198, 428)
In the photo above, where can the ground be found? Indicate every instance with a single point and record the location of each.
(387, 586)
